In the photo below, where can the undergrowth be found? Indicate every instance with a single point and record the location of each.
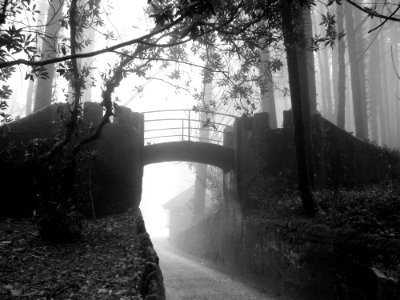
(371, 209)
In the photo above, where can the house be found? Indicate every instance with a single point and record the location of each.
(180, 211)
(180, 208)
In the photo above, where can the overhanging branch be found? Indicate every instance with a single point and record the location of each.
(140, 40)
(373, 13)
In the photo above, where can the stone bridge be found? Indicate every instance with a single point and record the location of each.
(200, 152)
(187, 135)
(245, 148)
(134, 140)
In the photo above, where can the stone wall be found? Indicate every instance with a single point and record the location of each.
(297, 258)
(266, 160)
(343, 160)
(115, 169)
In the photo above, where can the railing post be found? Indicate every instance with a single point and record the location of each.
(189, 127)
(188, 118)
(183, 130)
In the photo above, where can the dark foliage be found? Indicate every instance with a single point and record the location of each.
(373, 209)
(370, 209)
(47, 194)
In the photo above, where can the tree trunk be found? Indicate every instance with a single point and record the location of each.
(199, 197)
(395, 52)
(87, 92)
(31, 92)
(374, 82)
(324, 105)
(341, 87)
(360, 46)
(327, 82)
(291, 20)
(385, 89)
(45, 86)
(383, 110)
(29, 97)
(267, 88)
(358, 101)
(335, 70)
(200, 185)
(308, 35)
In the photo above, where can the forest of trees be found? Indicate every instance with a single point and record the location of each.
(340, 58)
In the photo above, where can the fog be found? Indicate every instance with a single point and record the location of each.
(162, 182)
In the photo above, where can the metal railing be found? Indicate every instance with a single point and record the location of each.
(185, 125)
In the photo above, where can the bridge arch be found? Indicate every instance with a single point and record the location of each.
(200, 152)
(188, 135)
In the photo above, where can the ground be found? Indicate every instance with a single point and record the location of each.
(107, 263)
(373, 209)
(366, 217)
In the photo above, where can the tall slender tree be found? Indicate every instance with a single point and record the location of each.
(292, 28)
(267, 87)
(362, 52)
(374, 84)
(359, 105)
(341, 79)
(44, 87)
(307, 48)
(30, 94)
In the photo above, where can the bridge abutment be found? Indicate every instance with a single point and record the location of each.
(248, 143)
(112, 176)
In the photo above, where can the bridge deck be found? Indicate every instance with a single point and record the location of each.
(206, 153)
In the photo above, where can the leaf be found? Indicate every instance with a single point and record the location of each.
(5, 243)
(34, 293)
(16, 293)
(120, 292)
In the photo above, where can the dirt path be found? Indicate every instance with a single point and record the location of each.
(186, 279)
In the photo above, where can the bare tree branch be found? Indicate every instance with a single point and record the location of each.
(139, 40)
(387, 19)
(110, 86)
(372, 13)
(169, 83)
(176, 61)
(76, 85)
(3, 12)
(394, 65)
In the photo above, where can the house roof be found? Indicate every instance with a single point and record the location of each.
(181, 199)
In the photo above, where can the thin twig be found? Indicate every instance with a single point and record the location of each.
(138, 40)
(167, 82)
(371, 12)
(394, 65)
(387, 19)
(90, 194)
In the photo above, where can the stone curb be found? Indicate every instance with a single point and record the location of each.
(152, 278)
